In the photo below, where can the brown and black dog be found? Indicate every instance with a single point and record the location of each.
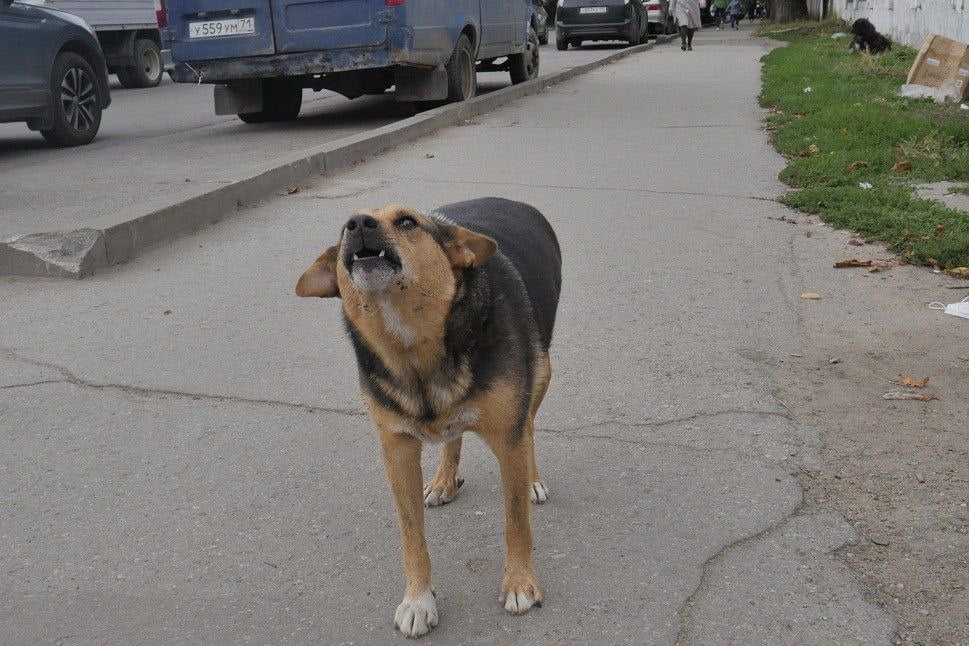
(451, 317)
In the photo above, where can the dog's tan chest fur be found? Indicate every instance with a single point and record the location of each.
(463, 420)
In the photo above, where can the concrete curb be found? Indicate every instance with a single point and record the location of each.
(82, 252)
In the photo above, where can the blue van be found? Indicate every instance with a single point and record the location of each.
(260, 54)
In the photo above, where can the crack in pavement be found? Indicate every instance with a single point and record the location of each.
(684, 613)
(71, 378)
(612, 189)
(577, 432)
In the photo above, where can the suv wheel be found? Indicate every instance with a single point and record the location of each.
(561, 44)
(148, 70)
(76, 102)
(524, 67)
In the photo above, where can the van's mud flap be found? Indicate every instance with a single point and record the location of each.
(240, 97)
(421, 84)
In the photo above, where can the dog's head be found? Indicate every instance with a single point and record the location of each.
(385, 252)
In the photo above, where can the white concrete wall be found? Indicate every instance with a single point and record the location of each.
(908, 21)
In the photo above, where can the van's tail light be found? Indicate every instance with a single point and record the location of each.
(160, 15)
(653, 6)
(394, 3)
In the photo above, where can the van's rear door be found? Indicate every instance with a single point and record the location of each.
(212, 29)
(310, 25)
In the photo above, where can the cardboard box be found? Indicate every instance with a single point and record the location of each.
(942, 63)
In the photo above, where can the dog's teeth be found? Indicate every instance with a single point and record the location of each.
(381, 254)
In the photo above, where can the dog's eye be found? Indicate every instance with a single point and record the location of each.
(406, 222)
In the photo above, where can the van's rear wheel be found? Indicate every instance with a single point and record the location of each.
(462, 77)
(524, 67)
(282, 99)
(148, 68)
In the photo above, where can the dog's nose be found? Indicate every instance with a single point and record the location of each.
(362, 221)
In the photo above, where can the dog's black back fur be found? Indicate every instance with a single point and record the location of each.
(868, 38)
(527, 241)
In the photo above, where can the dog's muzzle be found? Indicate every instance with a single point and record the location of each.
(369, 256)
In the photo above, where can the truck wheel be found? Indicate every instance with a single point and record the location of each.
(524, 67)
(281, 101)
(462, 77)
(76, 102)
(149, 69)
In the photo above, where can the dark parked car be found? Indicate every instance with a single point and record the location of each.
(580, 20)
(52, 73)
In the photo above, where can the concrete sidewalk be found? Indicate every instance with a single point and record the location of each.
(184, 456)
(171, 167)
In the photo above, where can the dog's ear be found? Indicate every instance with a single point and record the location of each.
(319, 279)
(465, 248)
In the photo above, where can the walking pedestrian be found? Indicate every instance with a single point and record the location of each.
(687, 16)
(735, 10)
(720, 11)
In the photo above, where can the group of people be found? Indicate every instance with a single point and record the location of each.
(686, 13)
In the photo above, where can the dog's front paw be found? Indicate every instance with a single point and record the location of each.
(519, 592)
(416, 616)
(441, 490)
(538, 492)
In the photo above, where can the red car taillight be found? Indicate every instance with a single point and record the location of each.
(393, 3)
(653, 6)
(160, 16)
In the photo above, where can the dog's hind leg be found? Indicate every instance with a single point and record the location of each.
(543, 375)
(443, 487)
(417, 613)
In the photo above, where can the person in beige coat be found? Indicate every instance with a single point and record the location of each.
(687, 16)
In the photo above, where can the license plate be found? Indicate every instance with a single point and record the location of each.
(214, 28)
(592, 10)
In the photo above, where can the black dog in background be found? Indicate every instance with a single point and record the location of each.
(868, 38)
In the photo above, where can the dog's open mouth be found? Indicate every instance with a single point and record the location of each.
(370, 259)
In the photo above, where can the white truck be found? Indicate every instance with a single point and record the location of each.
(128, 32)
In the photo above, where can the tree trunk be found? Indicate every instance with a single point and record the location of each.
(788, 10)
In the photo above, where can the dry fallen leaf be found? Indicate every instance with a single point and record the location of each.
(855, 165)
(855, 242)
(961, 272)
(939, 229)
(811, 296)
(292, 188)
(912, 382)
(902, 167)
(897, 395)
(813, 149)
(852, 262)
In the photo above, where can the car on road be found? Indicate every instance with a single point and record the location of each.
(660, 20)
(261, 54)
(128, 34)
(53, 75)
(581, 20)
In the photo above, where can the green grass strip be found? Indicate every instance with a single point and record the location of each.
(837, 117)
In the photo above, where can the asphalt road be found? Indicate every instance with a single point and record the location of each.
(183, 456)
(153, 142)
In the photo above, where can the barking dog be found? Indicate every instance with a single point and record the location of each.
(868, 38)
(451, 317)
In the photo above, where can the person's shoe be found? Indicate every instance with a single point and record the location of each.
(683, 47)
(690, 48)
